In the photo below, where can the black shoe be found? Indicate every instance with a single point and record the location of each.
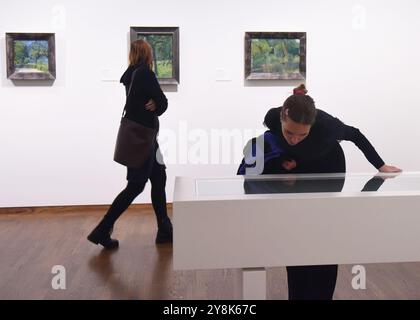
(164, 234)
(103, 237)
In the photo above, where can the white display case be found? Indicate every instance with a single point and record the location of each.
(254, 222)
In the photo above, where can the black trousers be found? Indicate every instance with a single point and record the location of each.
(318, 282)
(153, 170)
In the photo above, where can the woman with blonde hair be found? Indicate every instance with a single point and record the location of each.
(144, 104)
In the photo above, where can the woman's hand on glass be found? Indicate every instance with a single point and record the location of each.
(150, 105)
(389, 169)
(289, 164)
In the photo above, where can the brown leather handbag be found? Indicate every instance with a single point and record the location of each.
(135, 142)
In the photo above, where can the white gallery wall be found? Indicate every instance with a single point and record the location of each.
(57, 141)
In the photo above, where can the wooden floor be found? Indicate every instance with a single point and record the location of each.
(32, 243)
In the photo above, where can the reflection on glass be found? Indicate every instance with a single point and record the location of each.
(374, 184)
(308, 183)
(294, 185)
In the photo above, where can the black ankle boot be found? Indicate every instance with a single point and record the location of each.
(102, 236)
(164, 234)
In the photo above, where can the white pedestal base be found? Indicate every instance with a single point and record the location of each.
(254, 284)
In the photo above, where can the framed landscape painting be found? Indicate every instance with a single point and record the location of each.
(165, 46)
(275, 55)
(30, 56)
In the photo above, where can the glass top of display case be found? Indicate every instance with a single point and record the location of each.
(349, 183)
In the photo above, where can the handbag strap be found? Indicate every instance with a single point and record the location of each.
(128, 92)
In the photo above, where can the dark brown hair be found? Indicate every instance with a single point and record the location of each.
(299, 107)
(141, 52)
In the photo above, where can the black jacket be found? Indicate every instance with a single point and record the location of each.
(144, 87)
(323, 137)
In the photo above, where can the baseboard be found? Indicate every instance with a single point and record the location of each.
(69, 209)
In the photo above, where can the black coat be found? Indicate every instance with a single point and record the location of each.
(322, 140)
(144, 86)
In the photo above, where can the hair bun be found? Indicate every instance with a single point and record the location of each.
(300, 90)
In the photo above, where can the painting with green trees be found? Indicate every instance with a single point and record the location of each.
(279, 57)
(31, 56)
(165, 49)
(162, 54)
